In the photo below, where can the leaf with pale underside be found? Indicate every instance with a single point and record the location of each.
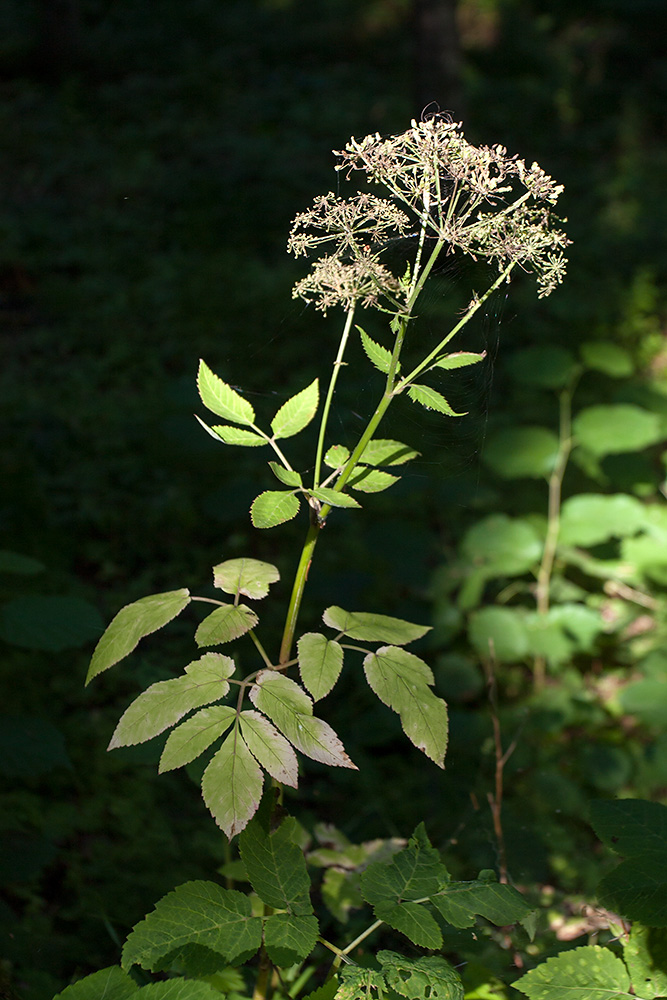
(460, 359)
(431, 400)
(320, 663)
(382, 451)
(288, 477)
(164, 703)
(273, 507)
(195, 735)
(269, 748)
(588, 973)
(232, 785)
(401, 680)
(251, 577)
(291, 710)
(132, 623)
(373, 628)
(224, 624)
(371, 480)
(333, 497)
(221, 399)
(297, 412)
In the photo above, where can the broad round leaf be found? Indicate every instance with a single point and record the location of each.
(518, 452)
(251, 577)
(604, 356)
(608, 430)
(502, 546)
(49, 623)
(588, 973)
(592, 518)
(336, 456)
(499, 634)
(545, 365)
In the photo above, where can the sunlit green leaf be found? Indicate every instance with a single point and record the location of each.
(320, 663)
(588, 973)
(431, 400)
(288, 477)
(460, 359)
(382, 451)
(251, 577)
(221, 399)
(379, 628)
(378, 356)
(195, 735)
(297, 412)
(608, 430)
(592, 518)
(166, 702)
(275, 866)
(269, 748)
(334, 498)
(195, 913)
(518, 452)
(273, 507)
(132, 623)
(232, 785)
(336, 456)
(224, 624)
(401, 680)
(238, 436)
(371, 480)
(425, 978)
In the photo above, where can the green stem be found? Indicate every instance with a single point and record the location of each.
(330, 393)
(297, 590)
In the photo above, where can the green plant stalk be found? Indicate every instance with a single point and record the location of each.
(545, 571)
(330, 393)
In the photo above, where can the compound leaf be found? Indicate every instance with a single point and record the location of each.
(276, 867)
(269, 748)
(588, 973)
(373, 628)
(224, 624)
(320, 663)
(221, 399)
(297, 412)
(290, 939)
(195, 735)
(400, 680)
(251, 577)
(132, 623)
(383, 451)
(166, 702)
(232, 785)
(273, 507)
(426, 978)
(200, 913)
(431, 400)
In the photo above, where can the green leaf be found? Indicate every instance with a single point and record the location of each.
(245, 576)
(371, 480)
(645, 955)
(111, 984)
(358, 983)
(413, 873)
(132, 623)
(232, 785)
(502, 546)
(327, 991)
(630, 827)
(460, 359)
(15, 562)
(297, 412)
(646, 699)
(224, 624)
(545, 365)
(276, 867)
(273, 507)
(413, 920)
(333, 497)
(290, 939)
(195, 913)
(288, 477)
(239, 436)
(180, 989)
(164, 703)
(400, 680)
(609, 430)
(426, 978)
(637, 889)
(460, 902)
(374, 628)
(431, 400)
(269, 748)
(195, 735)
(320, 663)
(290, 708)
(588, 973)
(49, 623)
(604, 356)
(376, 354)
(522, 452)
(499, 634)
(593, 518)
(221, 399)
(336, 456)
(382, 451)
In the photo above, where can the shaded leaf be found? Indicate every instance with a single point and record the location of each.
(371, 480)
(111, 984)
(288, 477)
(333, 497)
(502, 546)
(645, 955)
(30, 746)
(544, 365)
(245, 576)
(605, 356)
(224, 624)
(460, 902)
(269, 748)
(413, 873)
(275, 866)
(221, 399)
(132, 623)
(357, 983)
(164, 703)
(379, 628)
(499, 634)
(320, 663)
(16, 562)
(289, 939)
(431, 400)
(630, 826)
(195, 913)
(637, 889)
(180, 989)
(460, 359)
(232, 785)
(50, 623)
(378, 356)
(426, 978)
(383, 451)
(400, 680)
(518, 452)
(195, 735)
(588, 973)
(273, 507)
(297, 412)
(413, 920)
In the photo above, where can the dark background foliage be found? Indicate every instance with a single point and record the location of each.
(153, 156)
